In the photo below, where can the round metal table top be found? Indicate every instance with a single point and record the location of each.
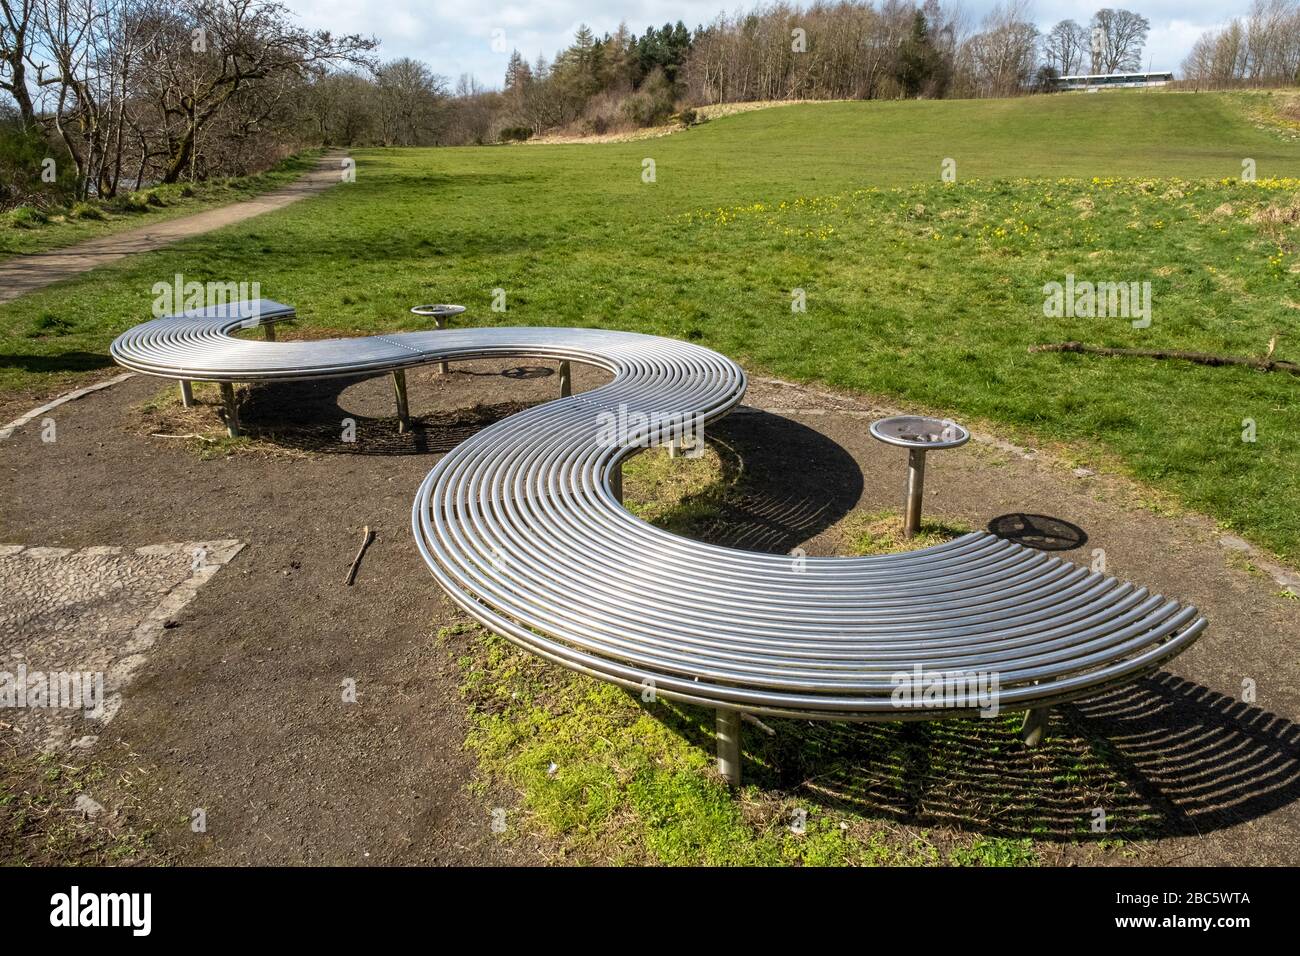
(916, 431)
(438, 310)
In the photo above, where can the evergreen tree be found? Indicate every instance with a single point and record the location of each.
(517, 72)
(917, 58)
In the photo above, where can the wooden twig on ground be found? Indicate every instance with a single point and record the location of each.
(366, 537)
(1267, 364)
(190, 435)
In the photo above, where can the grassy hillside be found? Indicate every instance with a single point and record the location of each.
(925, 291)
(834, 145)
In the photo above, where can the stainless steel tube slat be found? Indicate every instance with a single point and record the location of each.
(522, 525)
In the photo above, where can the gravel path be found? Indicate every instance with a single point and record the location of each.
(22, 274)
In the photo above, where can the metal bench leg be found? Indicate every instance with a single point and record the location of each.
(915, 487)
(1034, 730)
(566, 380)
(268, 332)
(685, 445)
(232, 410)
(439, 324)
(728, 732)
(187, 393)
(616, 482)
(403, 413)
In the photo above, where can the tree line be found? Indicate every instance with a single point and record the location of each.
(133, 92)
(126, 92)
(850, 49)
(1259, 49)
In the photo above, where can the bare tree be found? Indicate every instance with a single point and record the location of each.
(1001, 59)
(342, 108)
(1262, 49)
(85, 54)
(1065, 47)
(15, 45)
(411, 103)
(1119, 37)
(471, 112)
(215, 49)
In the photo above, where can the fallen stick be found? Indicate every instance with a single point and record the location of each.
(1200, 358)
(190, 435)
(366, 537)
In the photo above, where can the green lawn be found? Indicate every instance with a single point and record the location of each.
(923, 291)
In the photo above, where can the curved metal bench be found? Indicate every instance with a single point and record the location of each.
(522, 525)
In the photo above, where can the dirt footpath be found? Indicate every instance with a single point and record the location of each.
(238, 709)
(21, 274)
(239, 706)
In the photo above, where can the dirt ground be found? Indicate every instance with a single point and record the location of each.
(238, 711)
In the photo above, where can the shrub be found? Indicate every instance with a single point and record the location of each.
(26, 217)
(138, 201)
(639, 109)
(689, 117)
(516, 134)
(602, 114)
(86, 210)
(24, 156)
(130, 202)
(652, 103)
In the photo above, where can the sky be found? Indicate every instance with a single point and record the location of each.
(476, 36)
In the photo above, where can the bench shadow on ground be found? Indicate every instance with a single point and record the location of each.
(1041, 532)
(309, 416)
(73, 361)
(781, 483)
(1161, 757)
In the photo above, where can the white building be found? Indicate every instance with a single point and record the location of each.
(1091, 82)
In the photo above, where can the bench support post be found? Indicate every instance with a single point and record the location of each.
(232, 410)
(268, 331)
(403, 412)
(686, 446)
(1034, 730)
(187, 393)
(439, 324)
(728, 733)
(915, 486)
(616, 482)
(566, 380)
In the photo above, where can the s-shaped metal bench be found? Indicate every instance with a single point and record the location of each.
(522, 525)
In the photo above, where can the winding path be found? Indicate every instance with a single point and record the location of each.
(23, 273)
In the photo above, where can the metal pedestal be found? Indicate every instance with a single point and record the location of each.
(399, 391)
(728, 732)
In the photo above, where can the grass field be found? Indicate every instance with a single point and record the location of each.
(924, 291)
